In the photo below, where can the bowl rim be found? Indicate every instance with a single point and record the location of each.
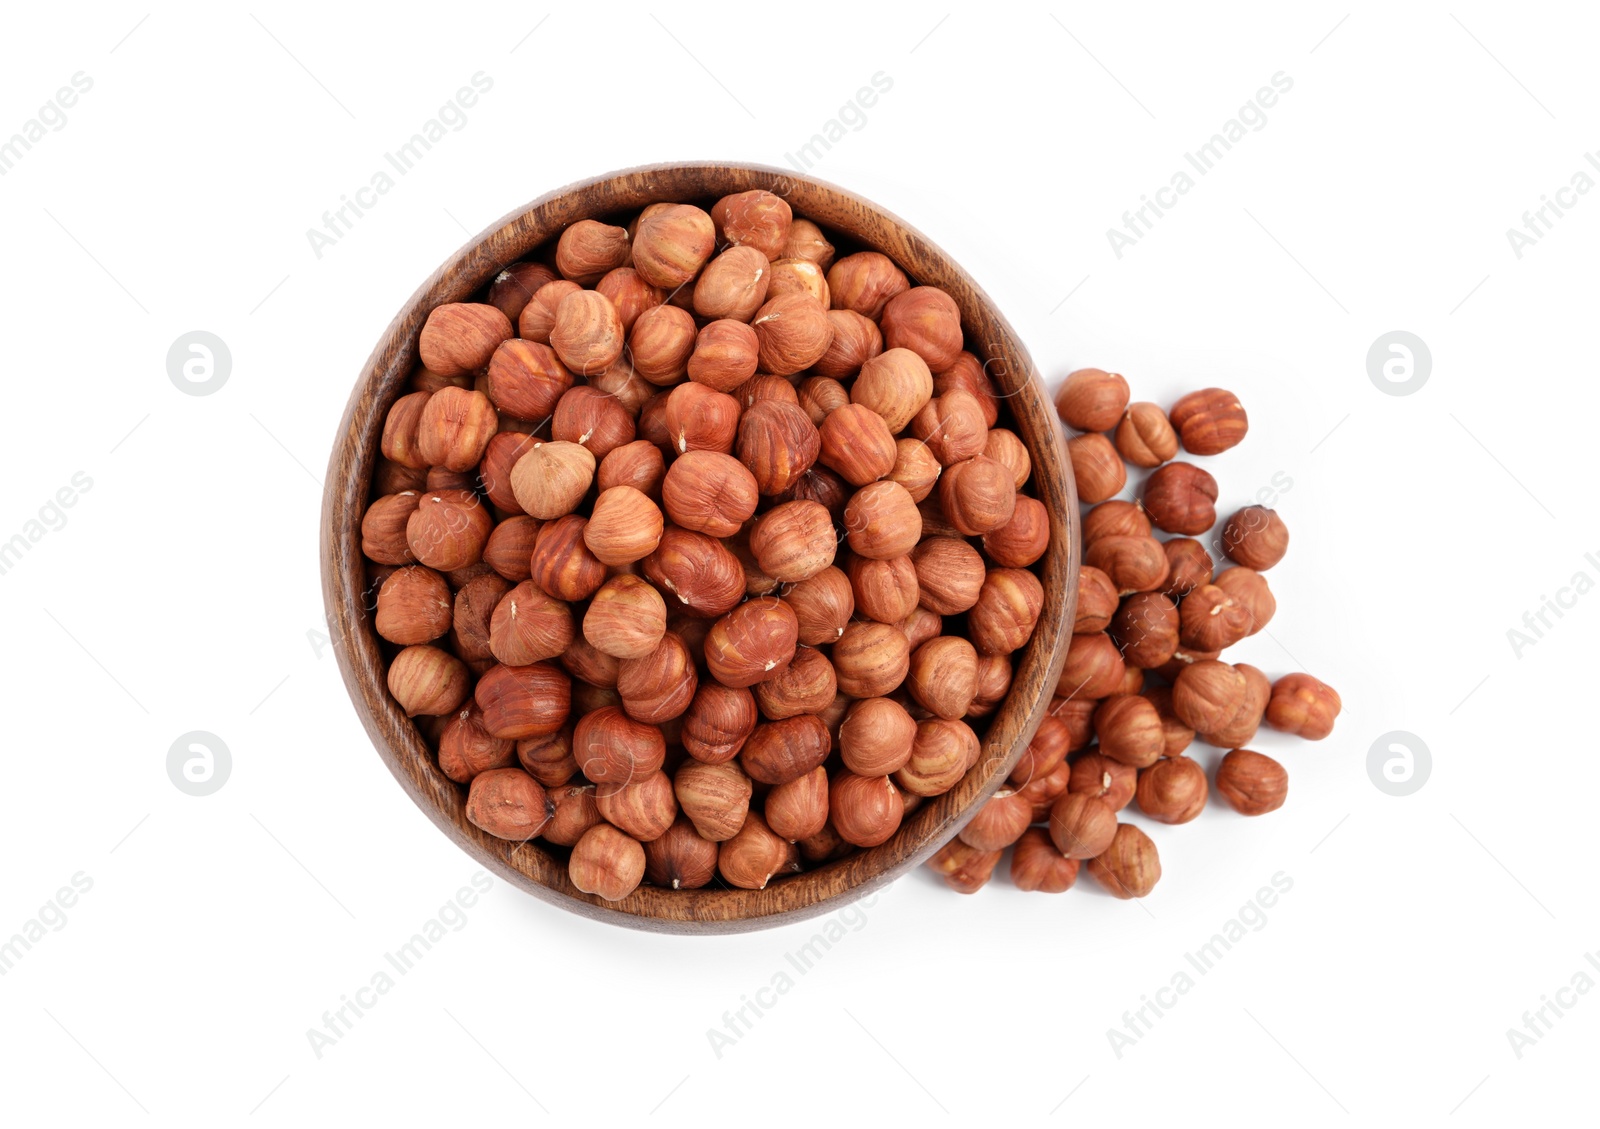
(400, 744)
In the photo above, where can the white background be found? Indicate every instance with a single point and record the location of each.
(182, 594)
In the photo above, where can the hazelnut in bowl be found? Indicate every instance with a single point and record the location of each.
(702, 546)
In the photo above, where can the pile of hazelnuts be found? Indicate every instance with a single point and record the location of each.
(1144, 677)
(698, 552)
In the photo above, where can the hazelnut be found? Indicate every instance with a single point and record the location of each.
(593, 419)
(793, 332)
(799, 276)
(794, 541)
(1047, 750)
(765, 386)
(864, 282)
(611, 748)
(709, 492)
(806, 241)
(1255, 537)
(550, 479)
(703, 575)
(509, 550)
(630, 390)
(514, 287)
(1134, 564)
(1092, 399)
(1129, 729)
(922, 625)
(549, 759)
(625, 526)
(1249, 588)
(453, 428)
(562, 564)
(971, 374)
(1212, 620)
(1097, 601)
(822, 605)
(884, 590)
(414, 606)
(538, 317)
(426, 680)
(1098, 469)
(881, 521)
(822, 486)
(718, 721)
(820, 396)
(672, 243)
(460, 337)
(1008, 607)
(1081, 826)
(508, 804)
(999, 822)
(857, 443)
(588, 334)
(1173, 790)
(1022, 540)
(448, 529)
(757, 219)
(865, 810)
(494, 473)
(1253, 784)
(575, 812)
(875, 737)
(756, 855)
(589, 248)
(856, 340)
(733, 285)
(915, 468)
(756, 582)
(526, 379)
(466, 748)
(1241, 728)
(1115, 518)
(1145, 437)
(925, 320)
(661, 342)
(944, 676)
(871, 659)
(472, 616)
(680, 859)
(751, 642)
(1130, 866)
(638, 464)
(1145, 628)
(1189, 566)
(1207, 694)
(643, 807)
(383, 528)
(659, 686)
(953, 428)
(1103, 778)
(1093, 668)
(391, 478)
(1304, 706)
(725, 355)
(778, 443)
(626, 618)
(529, 626)
(805, 686)
(1209, 421)
(941, 754)
(950, 574)
(799, 809)
(524, 701)
(630, 294)
(780, 751)
(964, 869)
(1180, 498)
(895, 384)
(606, 862)
(1178, 735)
(1036, 865)
(1077, 714)
(1002, 445)
(977, 495)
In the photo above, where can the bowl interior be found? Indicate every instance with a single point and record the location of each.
(855, 224)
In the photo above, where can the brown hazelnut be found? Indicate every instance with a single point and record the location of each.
(925, 320)
(593, 419)
(757, 219)
(718, 721)
(1207, 694)
(875, 737)
(472, 616)
(922, 625)
(1189, 566)
(895, 384)
(733, 285)
(944, 676)
(941, 754)
(822, 486)
(756, 582)
(1255, 537)
(756, 855)
(538, 317)
(1249, 588)
(611, 748)
(389, 477)
(1092, 399)
(1098, 469)
(1081, 825)
(1145, 628)
(881, 521)
(1241, 728)
(950, 575)
(1036, 865)
(629, 389)
(1212, 620)
(794, 541)
(508, 804)
(466, 748)
(426, 680)
(626, 618)
(658, 687)
(915, 468)
(1129, 729)
(856, 340)
(864, 282)
(643, 807)
(562, 564)
(857, 443)
(526, 379)
(1145, 437)
(725, 355)
(1097, 601)
(574, 813)
(625, 526)
(806, 241)
(698, 571)
(606, 862)
(1303, 706)
(1115, 518)
(777, 442)
(1180, 498)
(884, 590)
(871, 659)
(969, 373)
(588, 335)
(709, 492)
(1134, 564)
(630, 294)
(638, 464)
(460, 337)
(798, 809)
(805, 686)
(751, 642)
(765, 386)
(780, 751)
(1008, 608)
(1002, 445)
(1022, 540)
(1077, 714)
(701, 419)
(999, 822)
(964, 869)
(589, 248)
(977, 495)
(660, 342)
(680, 859)
(1130, 866)
(793, 331)
(1253, 784)
(448, 529)
(550, 479)
(1178, 735)
(1093, 668)
(822, 605)
(799, 276)
(671, 244)
(383, 528)
(529, 626)
(514, 287)
(1208, 421)
(453, 427)
(953, 428)
(1106, 779)
(865, 810)
(820, 396)
(414, 606)
(548, 759)
(524, 701)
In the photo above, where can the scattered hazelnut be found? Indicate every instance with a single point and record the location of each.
(1209, 421)
(1146, 629)
(1134, 564)
(1093, 668)
(999, 822)
(964, 869)
(1115, 518)
(606, 862)
(1092, 399)
(1173, 790)
(925, 320)
(460, 337)
(1129, 728)
(1081, 826)
(1023, 540)
(626, 618)
(1130, 866)
(1207, 695)
(1253, 784)
(751, 642)
(1255, 537)
(1178, 735)
(1304, 706)
(1249, 589)
(1241, 728)
(1036, 865)
(1097, 601)
(1145, 437)
(1189, 567)
(864, 810)
(941, 754)
(1105, 779)
(1180, 498)
(1098, 469)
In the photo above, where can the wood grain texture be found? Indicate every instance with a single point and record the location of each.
(350, 469)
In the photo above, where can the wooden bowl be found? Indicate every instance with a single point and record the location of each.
(713, 909)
